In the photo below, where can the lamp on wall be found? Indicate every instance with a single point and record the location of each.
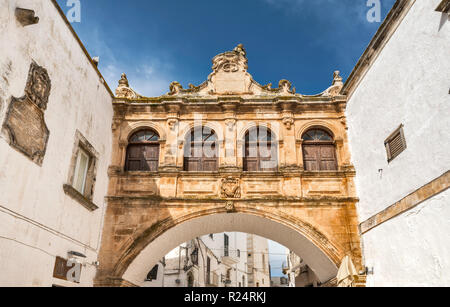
(194, 256)
(76, 254)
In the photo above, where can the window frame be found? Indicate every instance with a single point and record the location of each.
(81, 152)
(143, 144)
(86, 196)
(318, 144)
(259, 159)
(191, 143)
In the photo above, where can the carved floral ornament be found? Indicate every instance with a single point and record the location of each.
(230, 77)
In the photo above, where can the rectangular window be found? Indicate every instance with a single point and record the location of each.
(82, 173)
(81, 169)
(226, 243)
(395, 144)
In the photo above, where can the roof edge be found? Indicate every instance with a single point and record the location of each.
(83, 48)
(377, 44)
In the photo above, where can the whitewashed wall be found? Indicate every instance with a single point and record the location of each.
(38, 221)
(408, 84)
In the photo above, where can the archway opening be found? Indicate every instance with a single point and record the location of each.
(314, 256)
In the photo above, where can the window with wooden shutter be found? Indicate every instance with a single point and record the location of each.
(143, 152)
(395, 144)
(201, 151)
(62, 268)
(260, 151)
(319, 151)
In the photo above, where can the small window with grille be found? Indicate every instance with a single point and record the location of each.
(395, 144)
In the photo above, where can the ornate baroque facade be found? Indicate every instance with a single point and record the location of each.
(158, 178)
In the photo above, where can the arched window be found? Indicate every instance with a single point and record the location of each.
(190, 280)
(143, 151)
(319, 151)
(260, 152)
(201, 151)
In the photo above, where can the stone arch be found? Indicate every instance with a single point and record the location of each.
(317, 250)
(335, 131)
(134, 127)
(269, 125)
(217, 128)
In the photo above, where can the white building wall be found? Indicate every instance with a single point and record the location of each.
(261, 261)
(407, 84)
(38, 221)
(413, 249)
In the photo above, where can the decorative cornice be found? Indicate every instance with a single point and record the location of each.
(408, 203)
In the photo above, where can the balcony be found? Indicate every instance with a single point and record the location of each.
(229, 257)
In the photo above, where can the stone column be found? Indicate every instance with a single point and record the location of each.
(170, 153)
(229, 160)
(290, 155)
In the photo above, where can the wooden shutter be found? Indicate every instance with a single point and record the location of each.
(395, 144)
(318, 157)
(327, 156)
(151, 158)
(311, 157)
(143, 157)
(134, 157)
(61, 269)
(199, 161)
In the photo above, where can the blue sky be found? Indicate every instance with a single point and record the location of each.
(157, 42)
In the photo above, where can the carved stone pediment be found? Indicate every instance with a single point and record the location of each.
(230, 187)
(24, 126)
(230, 77)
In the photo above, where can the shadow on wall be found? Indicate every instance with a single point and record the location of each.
(445, 17)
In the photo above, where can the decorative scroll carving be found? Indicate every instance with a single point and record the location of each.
(24, 125)
(124, 90)
(231, 123)
(336, 87)
(230, 187)
(288, 122)
(232, 61)
(172, 123)
(175, 88)
(285, 87)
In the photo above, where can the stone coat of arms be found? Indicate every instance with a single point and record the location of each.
(24, 125)
(230, 187)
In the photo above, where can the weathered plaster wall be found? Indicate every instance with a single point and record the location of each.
(38, 221)
(413, 249)
(407, 84)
